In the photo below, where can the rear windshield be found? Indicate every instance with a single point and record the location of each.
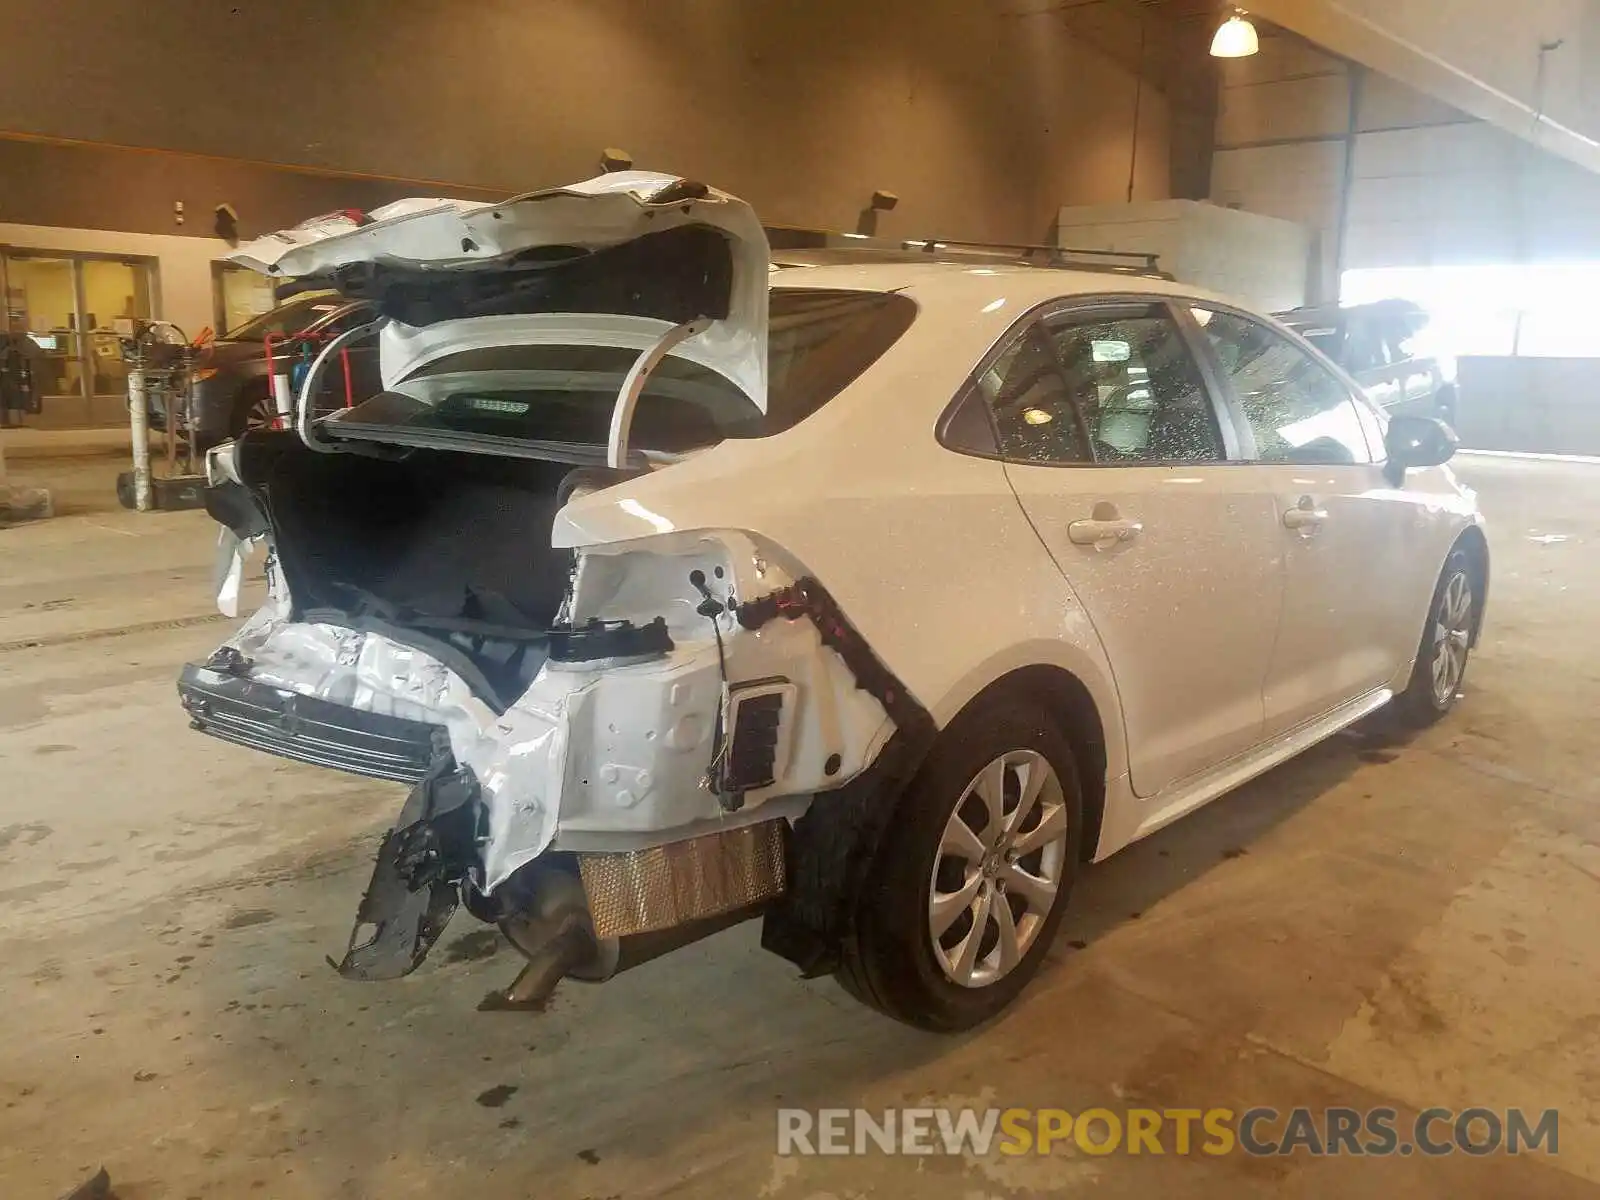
(818, 341)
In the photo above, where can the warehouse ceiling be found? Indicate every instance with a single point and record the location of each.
(1529, 68)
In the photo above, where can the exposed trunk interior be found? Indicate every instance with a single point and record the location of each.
(446, 551)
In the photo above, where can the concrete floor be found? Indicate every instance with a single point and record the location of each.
(1410, 924)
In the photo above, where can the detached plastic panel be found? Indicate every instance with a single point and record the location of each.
(309, 730)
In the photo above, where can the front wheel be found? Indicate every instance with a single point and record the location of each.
(973, 876)
(1446, 644)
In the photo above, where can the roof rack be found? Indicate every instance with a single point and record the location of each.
(794, 246)
(1121, 262)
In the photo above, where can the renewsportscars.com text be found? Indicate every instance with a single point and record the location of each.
(1375, 1132)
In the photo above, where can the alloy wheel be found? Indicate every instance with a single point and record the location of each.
(1452, 632)
(999, 867)
(263, 413)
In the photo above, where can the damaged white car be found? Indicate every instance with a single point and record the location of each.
(871, 600)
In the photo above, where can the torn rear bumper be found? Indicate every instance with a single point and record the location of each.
(309, 730)
(416, 879)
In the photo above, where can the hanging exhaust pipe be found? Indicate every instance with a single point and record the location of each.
(555, 934)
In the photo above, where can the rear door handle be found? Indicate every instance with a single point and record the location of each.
(1098, 531)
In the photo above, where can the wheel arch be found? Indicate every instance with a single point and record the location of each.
(1072, 706)
(1475, 545)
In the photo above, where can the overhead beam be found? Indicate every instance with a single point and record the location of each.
(1361, 31)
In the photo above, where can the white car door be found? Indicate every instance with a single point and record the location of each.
(1114, 447)
(1350, 549)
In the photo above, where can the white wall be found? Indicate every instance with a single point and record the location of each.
(1540, 404)
(183, 292)
(1467, 193)
(1281, 119)
(1429, 184)
(1253, 258)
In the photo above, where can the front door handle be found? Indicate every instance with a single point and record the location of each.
(1305, 516)
(1104, 531)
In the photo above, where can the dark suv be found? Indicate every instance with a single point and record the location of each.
(1385, 346)
(232, 389)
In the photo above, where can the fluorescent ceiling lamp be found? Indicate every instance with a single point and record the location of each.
(1236, 38)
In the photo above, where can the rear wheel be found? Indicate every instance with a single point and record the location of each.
(972, 879)
(1446, 644)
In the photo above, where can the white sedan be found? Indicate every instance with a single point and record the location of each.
(873, 600)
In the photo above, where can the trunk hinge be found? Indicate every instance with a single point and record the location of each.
(633, 385)
(302, 403)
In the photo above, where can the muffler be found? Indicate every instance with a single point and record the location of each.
(618, 910)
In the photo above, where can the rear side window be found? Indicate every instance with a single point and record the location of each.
(1033, 414)
(1299, 411)
(1137, 387)
(818, 342)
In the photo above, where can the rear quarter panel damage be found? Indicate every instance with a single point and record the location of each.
(602, 749)
(927, 551)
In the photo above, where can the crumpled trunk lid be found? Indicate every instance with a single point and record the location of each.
(617, 260)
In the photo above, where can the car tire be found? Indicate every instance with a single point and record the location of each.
(1002, 751)
(1445, 647)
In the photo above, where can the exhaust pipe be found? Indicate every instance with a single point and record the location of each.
(554, 933)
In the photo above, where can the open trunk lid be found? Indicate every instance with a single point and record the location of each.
(614, 261)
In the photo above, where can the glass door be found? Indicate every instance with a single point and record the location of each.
(111, 289)
(67, 304)
(42, 302)
(241, 295)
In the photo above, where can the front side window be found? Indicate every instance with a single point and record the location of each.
(1299, 411)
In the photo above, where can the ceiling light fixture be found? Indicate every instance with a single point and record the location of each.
(1236, 38)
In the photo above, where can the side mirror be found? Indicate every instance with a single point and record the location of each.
(1417, 442)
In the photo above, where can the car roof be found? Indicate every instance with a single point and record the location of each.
(1043, 283)
(964, 310)
(974, 304)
